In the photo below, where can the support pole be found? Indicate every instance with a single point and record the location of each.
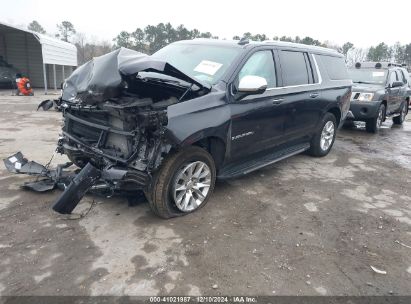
(64, 75)
(45, 78)
(54, 75)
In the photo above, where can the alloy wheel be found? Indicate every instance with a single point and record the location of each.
(327, 136)
(191, 185)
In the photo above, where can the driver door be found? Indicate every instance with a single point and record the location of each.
(257, 121)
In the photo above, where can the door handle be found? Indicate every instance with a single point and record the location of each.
(277, 101)
(314, 95)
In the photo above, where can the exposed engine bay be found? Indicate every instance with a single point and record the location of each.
(115, 116)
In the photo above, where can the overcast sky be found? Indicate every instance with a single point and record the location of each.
(364, 23)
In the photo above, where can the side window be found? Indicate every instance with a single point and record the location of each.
(260, 64)
(294, 68)
(335, 67)
(404, 78)
(393, 76)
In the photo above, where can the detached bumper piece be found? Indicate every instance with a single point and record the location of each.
(79, 186)
(107, 182)
(46, 179)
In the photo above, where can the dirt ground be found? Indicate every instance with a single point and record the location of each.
(303, 226)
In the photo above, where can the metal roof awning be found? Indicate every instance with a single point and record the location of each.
(57, 51)
(37, 52)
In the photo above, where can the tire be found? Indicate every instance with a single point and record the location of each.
(398, 120)
(324, 138)
(161, 192)
(373, 125)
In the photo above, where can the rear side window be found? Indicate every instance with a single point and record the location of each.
(335, 67)
(404, 78)
(294, 68)
(393, 77)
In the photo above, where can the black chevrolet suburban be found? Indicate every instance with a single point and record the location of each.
(380, 90)
(173, 122)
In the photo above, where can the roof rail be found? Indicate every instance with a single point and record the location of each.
(307, 46)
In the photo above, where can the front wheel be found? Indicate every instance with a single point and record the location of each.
(373, 125)
(398, 120)
(183, 184)
(323, 140)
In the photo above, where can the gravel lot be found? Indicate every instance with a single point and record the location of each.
(304, 226)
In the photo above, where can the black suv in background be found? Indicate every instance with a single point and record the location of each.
(173, 122)
(380, 90)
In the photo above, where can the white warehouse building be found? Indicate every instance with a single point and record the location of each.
(45, 60)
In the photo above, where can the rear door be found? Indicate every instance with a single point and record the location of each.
(302, 93)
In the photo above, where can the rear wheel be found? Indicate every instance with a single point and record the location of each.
(183, 184)
(323, 140)
(398, 120)
(373, 125)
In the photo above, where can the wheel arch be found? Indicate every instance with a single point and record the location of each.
(337, 114)
(215, 146)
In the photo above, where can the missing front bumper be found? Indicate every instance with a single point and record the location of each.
(76, 183)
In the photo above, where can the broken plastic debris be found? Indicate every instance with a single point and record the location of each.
(378, 270)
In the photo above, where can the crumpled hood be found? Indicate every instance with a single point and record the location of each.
(103, 77)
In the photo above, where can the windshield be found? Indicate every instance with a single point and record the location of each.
(206, 63)
(370, 76)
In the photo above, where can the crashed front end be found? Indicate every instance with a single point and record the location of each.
(114, 109)
(127, 141)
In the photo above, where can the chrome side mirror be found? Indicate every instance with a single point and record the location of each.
(251, 84)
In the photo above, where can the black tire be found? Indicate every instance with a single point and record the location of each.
(316, 147)
(398, 120)
(373, 125)
(159, 192)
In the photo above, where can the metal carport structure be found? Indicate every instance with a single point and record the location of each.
(45, 60)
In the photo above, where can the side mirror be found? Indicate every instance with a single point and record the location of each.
(397, 84)
(251, 84)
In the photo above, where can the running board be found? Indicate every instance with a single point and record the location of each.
(267, 159)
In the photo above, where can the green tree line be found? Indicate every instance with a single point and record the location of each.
(153, 37)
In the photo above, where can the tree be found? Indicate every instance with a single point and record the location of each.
(157, 38)
(379, 52)
(310, 41)
(154, 37)
(124, 39)
(87, 49)
(287, 39)
(36, 27)
(66, 29)
(397, 52)
(355, 55)
(407, 54)
(346, 47)
(81, 47)
(236, 37)
(206, 35)
(260, 37)
(139, 40)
